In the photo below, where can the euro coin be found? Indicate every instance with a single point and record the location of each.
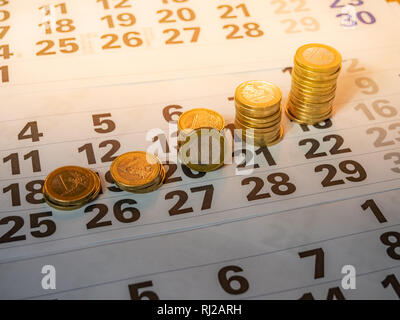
(135, 170)
(263, 140)
(258, 96)
(318, 58)
(314, 77)
(200, 118)
(157, 184)
(71, 186)
(201, 139)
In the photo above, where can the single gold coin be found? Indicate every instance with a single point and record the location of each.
(71, 185)
(262, 113)
(200, 118)
(240, 125)
(135, 169)
(205, 168)
(305, 114)
(319, 84)
(318, 57)
(258, 94)
(263, 140)
(315, 76)
(313, 90)
(312, 99)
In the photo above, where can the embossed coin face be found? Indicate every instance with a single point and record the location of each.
(135, 169)
(318, 57)
(70, 184)
(200, 118)
(258, 94)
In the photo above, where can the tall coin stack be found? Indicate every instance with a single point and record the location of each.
(314, 77)
(201, 139)
(258, 112)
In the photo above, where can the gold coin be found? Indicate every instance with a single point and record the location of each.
(69, 207)
(199, 145)
(315, 77)
(200, 118)
(300, 70)
(313, 90)
(239, 125)
(157, 184)
(259, 122)
(310, 105)
(263, 140)
(71, 185)
(318, 57)
(258, 95)
(305, 120)
(320, 85)
(257, 112)
(301, 114)
(306, 109)
(311, 99)
(60, 207)
(205, 168)
(135, 169)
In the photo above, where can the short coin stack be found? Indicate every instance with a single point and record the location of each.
(201, 139)
(70, 187)
(138, 172)
(258, 112)
(314, 77)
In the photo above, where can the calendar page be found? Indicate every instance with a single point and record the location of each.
(314, 217)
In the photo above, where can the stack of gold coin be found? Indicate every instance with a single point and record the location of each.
(314, 77)
(258, 112)
(201, 139)
(70, 187)
(138, 172)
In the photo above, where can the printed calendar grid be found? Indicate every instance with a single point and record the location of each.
(311, 244)
(335, 21)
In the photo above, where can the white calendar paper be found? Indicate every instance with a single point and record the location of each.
(281, 221)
